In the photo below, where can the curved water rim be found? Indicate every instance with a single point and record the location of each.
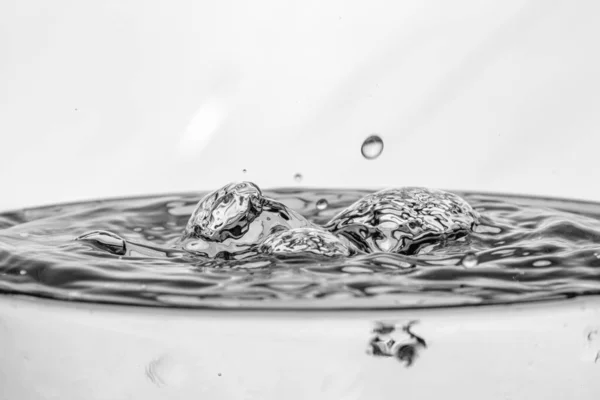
(55, 349)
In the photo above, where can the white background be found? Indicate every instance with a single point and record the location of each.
(107, 98)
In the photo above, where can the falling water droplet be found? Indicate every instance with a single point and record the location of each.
(244, 170)
(469, 260)
(298, 177)
(322, 204)
(372, 147)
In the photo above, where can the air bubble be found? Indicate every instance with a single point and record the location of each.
(470, 260)
(298, 177)
(23, 272)
(372, 147)
(244, 170)
(322, 204)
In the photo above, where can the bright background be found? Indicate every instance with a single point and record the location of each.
(108, 98)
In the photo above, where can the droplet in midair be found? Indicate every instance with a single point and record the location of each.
(298, 177)
(469, 260)
(244, 170)
(372, 147)
(322, 204)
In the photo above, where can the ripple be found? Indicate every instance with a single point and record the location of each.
(527, 249)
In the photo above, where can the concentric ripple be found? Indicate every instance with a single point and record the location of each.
(523, 249)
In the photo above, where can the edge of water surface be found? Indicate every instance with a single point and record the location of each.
(548, 304)
(296, 189)
(299, 309)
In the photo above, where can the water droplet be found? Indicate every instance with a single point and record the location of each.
(244, 170)
(219, 374)
(322, 204)
(372, 147)
(470, 260)
(22, 272)
(298, 177)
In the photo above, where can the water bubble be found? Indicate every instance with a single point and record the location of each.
(298, 177)
(322, 204)
(372, 147)
(244, 170)
(23, 272)
(470, 260)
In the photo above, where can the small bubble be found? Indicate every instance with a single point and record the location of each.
(23, 272)
(469, 260)
(372, 147)
(322, 204)
(138, 229)
(244, 170)
(23, 234)
(298, 177)
(597, 255)
(219, 374)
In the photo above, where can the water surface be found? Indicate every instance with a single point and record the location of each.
(524, 249)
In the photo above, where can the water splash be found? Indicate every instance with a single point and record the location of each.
(514, 232)
(306, 240)
(404, 220)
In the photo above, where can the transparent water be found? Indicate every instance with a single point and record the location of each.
(524, 249)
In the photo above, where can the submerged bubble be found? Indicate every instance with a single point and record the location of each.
(322, 204)
(298, 177)
(372, 147)
(469, 260)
